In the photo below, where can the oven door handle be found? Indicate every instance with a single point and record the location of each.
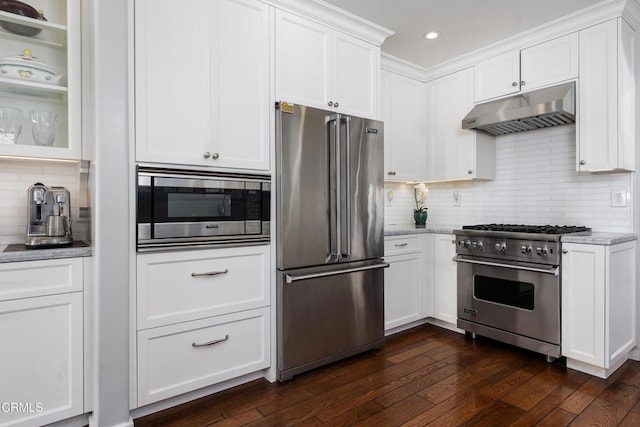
(552, 270)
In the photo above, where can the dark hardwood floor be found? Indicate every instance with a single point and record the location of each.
(425, 376)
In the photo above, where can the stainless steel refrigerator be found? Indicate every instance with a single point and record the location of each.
(330, 214)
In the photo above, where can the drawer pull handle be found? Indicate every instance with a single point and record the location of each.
(399, 245)
(210, 273)
(207, 344)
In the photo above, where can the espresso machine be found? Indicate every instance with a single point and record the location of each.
(49, 217)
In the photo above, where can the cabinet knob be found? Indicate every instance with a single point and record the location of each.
(583, 162)
(453, 241)
(336, 105)
(330, 103)
(565, 251)
(470, 172)
(215, 156)
(392, 173)
(514, 84)
(522, 83)
(206, 155)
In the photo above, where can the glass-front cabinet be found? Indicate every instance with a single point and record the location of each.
(40, 79)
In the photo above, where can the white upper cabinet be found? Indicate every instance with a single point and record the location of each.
(541, 65)
(324, 68)
(454, 153)
(607, 107)
(54, 86)
(403, 109)
(202, 86)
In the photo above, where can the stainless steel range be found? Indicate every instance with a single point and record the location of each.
(509, 283)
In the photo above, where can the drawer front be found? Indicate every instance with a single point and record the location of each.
(176, 359)
(402, 245)
(39, 278)
(183, 286)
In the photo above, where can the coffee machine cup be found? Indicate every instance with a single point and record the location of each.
(56, 226)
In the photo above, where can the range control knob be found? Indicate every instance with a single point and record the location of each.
(477, 245)
(543, 251)
(526, 249)
(466, 244)
(501, 247)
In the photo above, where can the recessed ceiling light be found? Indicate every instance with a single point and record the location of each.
(431, 35)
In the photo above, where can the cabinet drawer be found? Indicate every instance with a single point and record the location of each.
(402, 244)
(170, 362)
(38, 278)
(182, 286)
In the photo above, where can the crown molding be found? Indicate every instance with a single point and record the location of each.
(337, 18)
(593, 15)
(400, 66)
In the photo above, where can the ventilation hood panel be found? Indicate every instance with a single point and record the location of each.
(552, 106)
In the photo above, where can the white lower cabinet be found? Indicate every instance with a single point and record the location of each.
(181, 286)
(445, 291)
(41, 362)
(598, 306)
(202, 318)
(403, 281)
(178, 358)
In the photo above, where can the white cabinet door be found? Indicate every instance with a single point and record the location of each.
(454, 153)
(598, 306)
(403, 105)
(403, 281)
(550, 62)
(241, 120)
(583, 303)
(541, 65)
(445, 279)
(497, 76)
(202, 86)
(41, 363)
(606, 108)
(303, 61)
(324, 68)
(356, 76)
(39, 278)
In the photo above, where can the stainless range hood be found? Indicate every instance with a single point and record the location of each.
(552, 106)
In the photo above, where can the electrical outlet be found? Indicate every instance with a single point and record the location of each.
(618, 198)
(457, 198)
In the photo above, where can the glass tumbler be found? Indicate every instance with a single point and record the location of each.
(43, 127)
(10, 124)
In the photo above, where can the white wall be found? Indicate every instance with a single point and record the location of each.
(16, 176)
(536, 183)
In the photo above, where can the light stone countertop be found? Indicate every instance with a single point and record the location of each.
(600, 238)
(42, 254)
(399, 230)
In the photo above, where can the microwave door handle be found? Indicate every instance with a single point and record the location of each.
(347, 214)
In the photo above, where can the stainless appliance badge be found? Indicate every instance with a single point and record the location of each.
(372, 130)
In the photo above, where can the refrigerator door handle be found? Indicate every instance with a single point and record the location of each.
(290, 278)
(347, 215)
(337, 118)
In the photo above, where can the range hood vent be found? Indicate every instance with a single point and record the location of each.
(552, 106)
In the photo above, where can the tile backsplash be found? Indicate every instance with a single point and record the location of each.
(17, 175)
(536, 183)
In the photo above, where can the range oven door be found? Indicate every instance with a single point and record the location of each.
(515, 297)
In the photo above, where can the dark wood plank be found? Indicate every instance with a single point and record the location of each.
(610, 408)
(557, 418)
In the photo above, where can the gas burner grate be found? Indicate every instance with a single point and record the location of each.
(522, 228)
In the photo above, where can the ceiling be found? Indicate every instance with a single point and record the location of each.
(464, 25)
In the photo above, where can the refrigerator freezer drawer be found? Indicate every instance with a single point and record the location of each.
(326, 317)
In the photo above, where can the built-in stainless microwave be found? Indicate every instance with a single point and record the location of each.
(178, 208)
